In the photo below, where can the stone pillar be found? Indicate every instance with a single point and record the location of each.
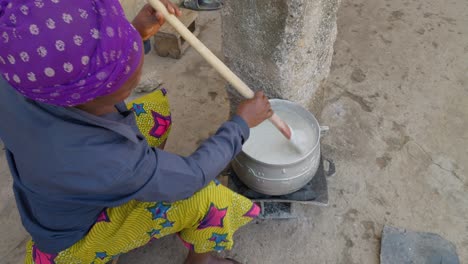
(283, 47)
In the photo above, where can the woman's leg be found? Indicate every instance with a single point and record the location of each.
(219, 213)
(205, 222)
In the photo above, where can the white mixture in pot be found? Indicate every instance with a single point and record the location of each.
(268, 145)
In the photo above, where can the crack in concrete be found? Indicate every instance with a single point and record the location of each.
(437, 164)
(448, 170)
(19, 247)
(364, 104)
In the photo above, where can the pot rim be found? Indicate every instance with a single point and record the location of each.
(317, 143)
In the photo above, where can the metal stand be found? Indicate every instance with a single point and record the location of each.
(281, 207)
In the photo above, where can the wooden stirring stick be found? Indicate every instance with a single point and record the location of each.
(216, 63)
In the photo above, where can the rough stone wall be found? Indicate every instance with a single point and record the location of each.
(284, 47)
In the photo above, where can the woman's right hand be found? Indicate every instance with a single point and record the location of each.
(256, 110)
(148, 21)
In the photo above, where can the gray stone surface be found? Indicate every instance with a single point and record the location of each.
(401, 246)
(149, 81)
(283, 47)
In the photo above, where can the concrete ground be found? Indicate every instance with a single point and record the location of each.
(397, 106)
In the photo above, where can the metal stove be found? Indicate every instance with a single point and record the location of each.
(281, 207)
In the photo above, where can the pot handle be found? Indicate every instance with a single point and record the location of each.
(323, 130)
(330, 170)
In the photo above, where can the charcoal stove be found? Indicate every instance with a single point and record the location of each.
(315, 192)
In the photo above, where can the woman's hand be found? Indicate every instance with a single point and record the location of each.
(148, 21)
(255, 111)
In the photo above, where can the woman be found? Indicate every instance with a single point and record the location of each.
(88, 180)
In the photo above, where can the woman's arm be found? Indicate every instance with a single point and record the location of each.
(163, 176)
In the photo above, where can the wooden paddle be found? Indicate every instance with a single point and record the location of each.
(216, 63)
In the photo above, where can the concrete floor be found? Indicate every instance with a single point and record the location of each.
(397, 107)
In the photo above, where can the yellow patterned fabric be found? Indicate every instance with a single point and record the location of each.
(205, 222)
(153, 116)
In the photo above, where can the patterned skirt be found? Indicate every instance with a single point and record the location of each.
(204, 222)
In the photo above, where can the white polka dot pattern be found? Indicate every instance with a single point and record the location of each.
(34, 29)
(42, 51)
(25, 10)
(110, 32)
(127, 69)
(106, 57)
(49, 72)
(60, 45)
(78, 40)
(67, 18)
(83, 13)
(101, 76)
(31, 77)
(16, 79)
(95, 33)
(67, 52)
(103, 12)
(50, 23)
(5, 37)
(11, 59)
(39, 3)
(85, 60)
(13, 18)
(24, 56)
(68, 67)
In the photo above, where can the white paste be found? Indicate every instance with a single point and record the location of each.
(268, 145)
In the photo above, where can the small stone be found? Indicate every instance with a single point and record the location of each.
(358, 75)
(421, 31)
(402, 246)
(149, 82)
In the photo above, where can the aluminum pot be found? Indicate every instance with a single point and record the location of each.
(281, 179)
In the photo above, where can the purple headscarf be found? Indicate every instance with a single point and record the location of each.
(66, 52)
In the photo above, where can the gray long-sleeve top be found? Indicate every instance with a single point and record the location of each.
(69, 165)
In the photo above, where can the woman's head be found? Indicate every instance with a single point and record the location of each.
(68, 52)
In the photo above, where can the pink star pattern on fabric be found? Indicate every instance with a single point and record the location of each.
(103, 217)
(253, 212)
(213, 218)
(161, 124)
(42, 258)
(186, 244)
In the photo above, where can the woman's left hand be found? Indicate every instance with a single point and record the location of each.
(148, 21)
